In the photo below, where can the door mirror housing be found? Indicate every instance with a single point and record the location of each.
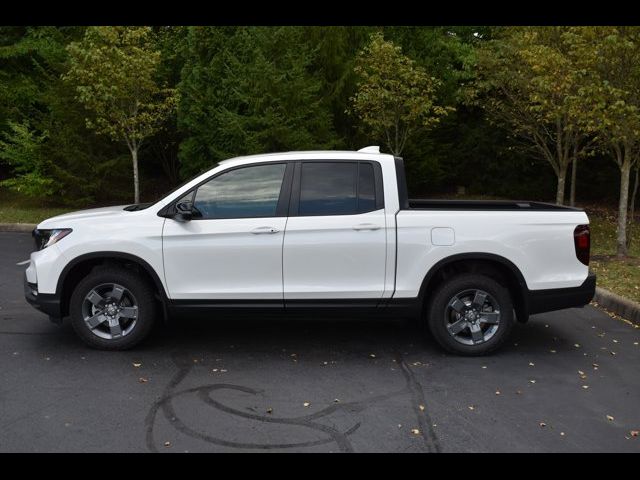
(183, 212)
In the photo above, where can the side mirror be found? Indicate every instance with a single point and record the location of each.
(184, 212)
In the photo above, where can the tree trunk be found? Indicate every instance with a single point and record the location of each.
(632, 208)
(572, 194)
(561, 182)
(136, 180)
(625, 170)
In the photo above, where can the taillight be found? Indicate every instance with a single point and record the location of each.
(582, 241)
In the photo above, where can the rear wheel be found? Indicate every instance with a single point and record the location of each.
(471, 314)
(112, 308)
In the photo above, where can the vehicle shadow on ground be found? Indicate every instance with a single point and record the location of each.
(196, 333)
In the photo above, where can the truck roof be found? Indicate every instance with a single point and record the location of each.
(337, 155)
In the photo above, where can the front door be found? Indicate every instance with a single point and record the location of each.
(232, 248)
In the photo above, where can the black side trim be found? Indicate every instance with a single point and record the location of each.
(401, 179)
(46, 303)
(332, 303)
(548, 300)
(223, 304)
(284, 200)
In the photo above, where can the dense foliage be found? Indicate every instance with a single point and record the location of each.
(501, 111)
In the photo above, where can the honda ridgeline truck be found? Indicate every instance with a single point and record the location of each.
(296, 232)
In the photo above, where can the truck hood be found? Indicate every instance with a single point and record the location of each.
(62, 221)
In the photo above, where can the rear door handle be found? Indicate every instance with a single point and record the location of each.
(263, 230)
(367, 226)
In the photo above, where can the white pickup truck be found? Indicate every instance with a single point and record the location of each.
(324, 231)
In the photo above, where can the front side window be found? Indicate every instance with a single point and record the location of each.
(247, 192)
(336, 188)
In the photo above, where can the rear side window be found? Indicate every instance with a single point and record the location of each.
(247, 192)
(336, 188)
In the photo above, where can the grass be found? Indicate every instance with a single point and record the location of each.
(619, 275)
(16, 208)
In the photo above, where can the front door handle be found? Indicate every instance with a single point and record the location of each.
(367, 226)
(263, 230)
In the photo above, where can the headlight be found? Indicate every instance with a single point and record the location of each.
(46, 238)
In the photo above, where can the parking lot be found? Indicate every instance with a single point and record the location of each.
(568, 381)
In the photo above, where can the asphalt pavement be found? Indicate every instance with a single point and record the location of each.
(567, 381)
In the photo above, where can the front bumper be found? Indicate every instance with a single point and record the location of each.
(559, 298)
(47, 303)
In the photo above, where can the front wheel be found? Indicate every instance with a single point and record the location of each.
(112, 308)
(471, 314)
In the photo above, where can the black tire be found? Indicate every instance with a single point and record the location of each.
(438, 312)
(144, 299)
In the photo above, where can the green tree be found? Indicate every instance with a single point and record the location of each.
(20, 149)
(114, 71)
(528, 81)
(248, 90)
(394, 96)
(609, 58)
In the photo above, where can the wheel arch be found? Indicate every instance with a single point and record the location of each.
(82, 264)
(495, 266)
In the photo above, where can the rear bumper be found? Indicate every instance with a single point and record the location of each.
(559, 298)
(47, 303)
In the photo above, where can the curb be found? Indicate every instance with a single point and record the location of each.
(619, 305)
(17, 227)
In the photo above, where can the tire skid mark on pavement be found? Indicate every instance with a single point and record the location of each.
(417, 395)
(204, 393)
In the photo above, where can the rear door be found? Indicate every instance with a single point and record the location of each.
(232, 248)
(335, 239)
